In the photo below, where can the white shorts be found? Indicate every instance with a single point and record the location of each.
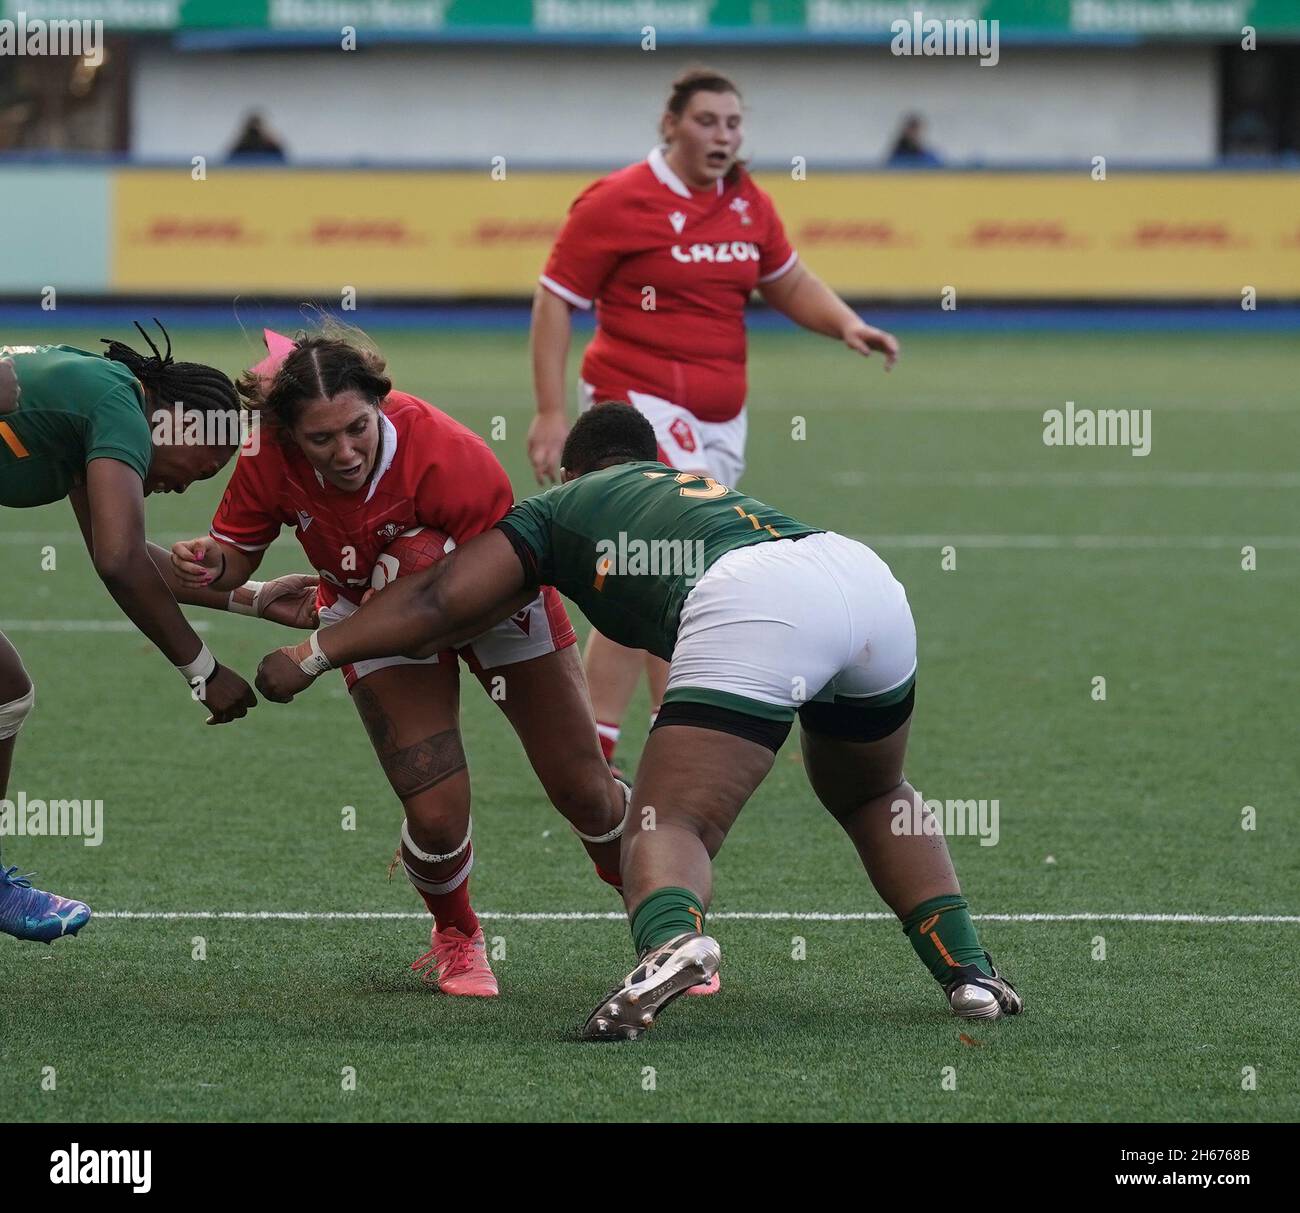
(710, 448)
(542, 627)
(775, 626)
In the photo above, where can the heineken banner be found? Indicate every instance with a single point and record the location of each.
(705, 20)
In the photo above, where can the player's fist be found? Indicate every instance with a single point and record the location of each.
(226, 696)
(198, 562)
(280, 677)
(546, 435)
(864, 339)
(290, 600)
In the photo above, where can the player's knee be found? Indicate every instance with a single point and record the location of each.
(13, 713)
(710, 834)
(712, 837)
(588, 797)
(433, 838)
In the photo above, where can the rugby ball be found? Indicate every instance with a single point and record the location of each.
(408, 553)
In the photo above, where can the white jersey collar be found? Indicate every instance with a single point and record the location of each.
(658, 163)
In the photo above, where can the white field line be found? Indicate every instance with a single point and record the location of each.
(613, 916)
(18, 538)
(1009, 541)
(80, 625)
(1137, 479)
(1076, 542)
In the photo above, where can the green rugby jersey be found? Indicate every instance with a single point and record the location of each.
(70, 406)
(629, 543)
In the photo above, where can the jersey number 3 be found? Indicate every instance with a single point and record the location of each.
(708, 489)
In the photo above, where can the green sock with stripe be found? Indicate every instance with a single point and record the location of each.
(664, 914)
(943, 936)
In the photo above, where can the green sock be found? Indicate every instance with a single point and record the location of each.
(664, 914)
(943, 936)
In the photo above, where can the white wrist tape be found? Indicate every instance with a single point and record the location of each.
(250, 607)
(201, 668)
(315, 663)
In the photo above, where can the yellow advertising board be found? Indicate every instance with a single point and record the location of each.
(901, 235)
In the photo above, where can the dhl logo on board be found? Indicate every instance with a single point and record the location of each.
(903, 235)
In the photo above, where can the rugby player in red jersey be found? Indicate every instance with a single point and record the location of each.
(766, 620)
(350, 463)
(668, 251)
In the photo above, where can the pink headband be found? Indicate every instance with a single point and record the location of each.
(278, 347)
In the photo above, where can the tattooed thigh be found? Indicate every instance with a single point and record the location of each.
(415, 768)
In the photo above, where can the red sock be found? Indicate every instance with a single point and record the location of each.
(608, 734)
(610, 878)
(452, 908)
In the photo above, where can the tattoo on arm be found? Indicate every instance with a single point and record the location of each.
(414, 768)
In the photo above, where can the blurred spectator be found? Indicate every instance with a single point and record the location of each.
(909, 147)
(58, 103)
(255, 141)
(1247, 134)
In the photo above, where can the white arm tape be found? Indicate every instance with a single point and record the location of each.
(249, 608)
(201, 668)
(315, 663)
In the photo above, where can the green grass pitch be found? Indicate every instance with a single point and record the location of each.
(1071, 564)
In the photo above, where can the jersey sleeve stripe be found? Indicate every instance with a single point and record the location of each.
(243, 547)
(12, 441)
(564, 293)
(785, 269)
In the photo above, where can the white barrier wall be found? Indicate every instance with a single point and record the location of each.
(599, 106)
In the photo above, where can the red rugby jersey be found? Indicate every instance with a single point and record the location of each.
(432, 471)
(703, 252)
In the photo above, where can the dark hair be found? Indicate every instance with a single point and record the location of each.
(319, 368)
(701, 80)
(192, 385)
(610, 432)
(697, 80)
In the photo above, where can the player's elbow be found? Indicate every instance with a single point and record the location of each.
(115, 568)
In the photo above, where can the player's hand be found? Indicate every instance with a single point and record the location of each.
(864, 339)
(227, 696)
(546, 435)
(280, 677)
(290, 600)
(198, 562)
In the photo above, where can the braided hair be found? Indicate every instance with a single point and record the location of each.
(192, 385)
(320, 367)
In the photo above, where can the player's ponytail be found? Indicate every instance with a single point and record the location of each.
(192, 385)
